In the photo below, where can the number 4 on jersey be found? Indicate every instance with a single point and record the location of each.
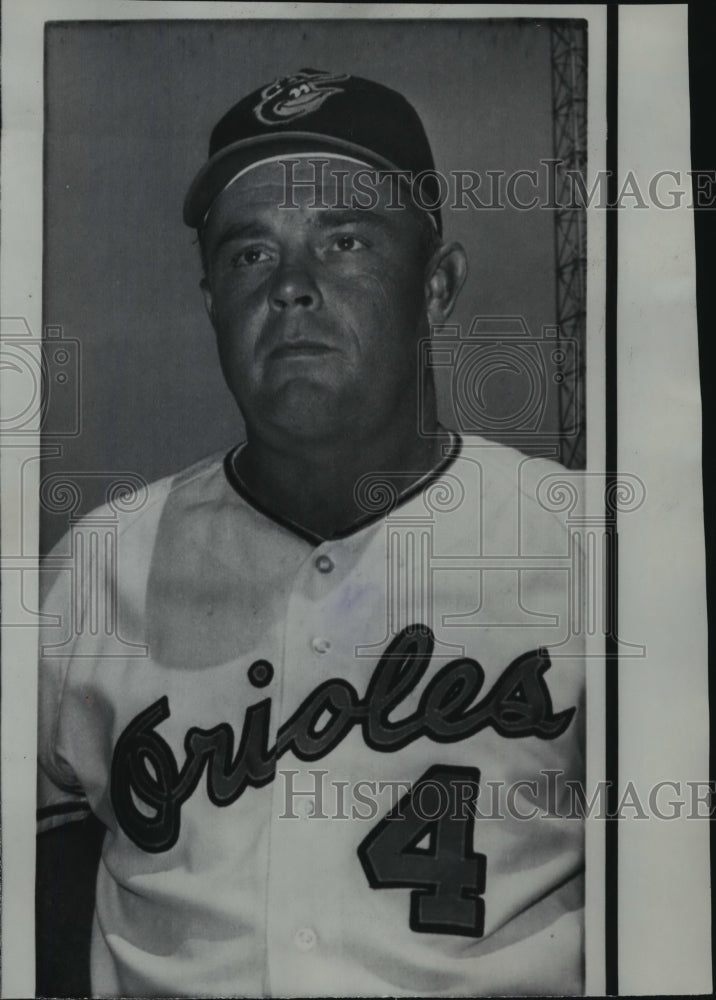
(446, 875)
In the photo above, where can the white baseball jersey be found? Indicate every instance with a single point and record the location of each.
(326, 767)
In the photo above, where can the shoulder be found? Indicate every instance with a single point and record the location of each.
(511, 485)
(509, 472)
(129, 504)
(131, 515)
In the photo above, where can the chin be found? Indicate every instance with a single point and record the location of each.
(311, 410)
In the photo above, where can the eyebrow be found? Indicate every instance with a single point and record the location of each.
(347, 217)
(324, 219)
(241, 230)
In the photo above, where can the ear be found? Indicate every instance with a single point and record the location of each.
(208, 298)
(445, 276)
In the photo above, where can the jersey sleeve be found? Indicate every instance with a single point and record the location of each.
(60, 797)
(55, 805)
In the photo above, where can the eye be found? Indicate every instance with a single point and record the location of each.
(348, 243)
(249, 257)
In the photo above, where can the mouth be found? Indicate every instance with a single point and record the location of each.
(300, 349)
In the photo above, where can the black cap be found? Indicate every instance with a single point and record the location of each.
(315, 111)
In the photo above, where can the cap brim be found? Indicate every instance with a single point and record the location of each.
(218, 172)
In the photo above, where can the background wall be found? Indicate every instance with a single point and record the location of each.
(129, 108)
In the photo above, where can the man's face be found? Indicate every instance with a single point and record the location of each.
(317, 311)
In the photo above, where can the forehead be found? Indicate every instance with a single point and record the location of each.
(291, 187)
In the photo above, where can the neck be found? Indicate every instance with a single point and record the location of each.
(313, 483)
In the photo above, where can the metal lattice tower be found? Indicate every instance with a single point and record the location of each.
(569, 115)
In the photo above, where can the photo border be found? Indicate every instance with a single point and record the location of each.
(609, 754)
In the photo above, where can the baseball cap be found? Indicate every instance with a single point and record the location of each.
(316, 111)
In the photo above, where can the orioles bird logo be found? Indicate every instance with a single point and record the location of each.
(294, 96)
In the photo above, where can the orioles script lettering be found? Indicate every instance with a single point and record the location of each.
(144, 768)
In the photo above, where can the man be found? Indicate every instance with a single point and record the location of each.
(335, 636)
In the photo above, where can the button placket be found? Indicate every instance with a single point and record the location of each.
(293, 915)
(301, 942)
(323, 564)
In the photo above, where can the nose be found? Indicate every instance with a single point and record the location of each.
(294, 287)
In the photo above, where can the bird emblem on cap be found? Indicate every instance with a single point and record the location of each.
(293, 96)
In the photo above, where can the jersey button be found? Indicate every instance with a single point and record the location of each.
(324, 564)
(305, 939)
(320, 645)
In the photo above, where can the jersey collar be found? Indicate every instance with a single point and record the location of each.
(451, 453)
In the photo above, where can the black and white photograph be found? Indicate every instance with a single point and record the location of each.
(327, 510)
